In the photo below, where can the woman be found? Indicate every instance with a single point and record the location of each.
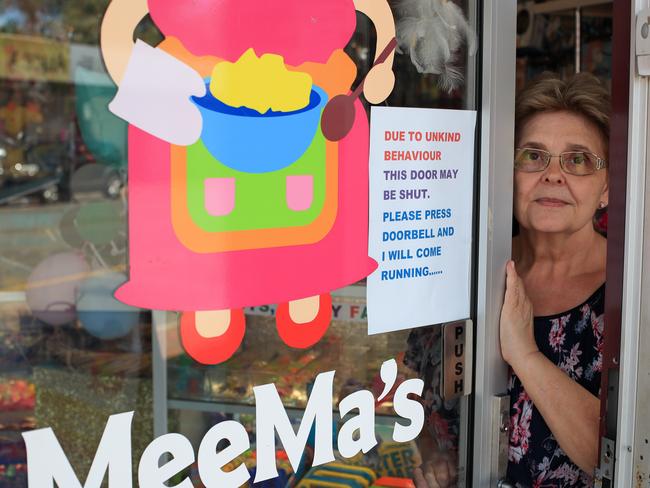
(552, 316)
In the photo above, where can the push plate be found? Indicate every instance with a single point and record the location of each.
(457, 359)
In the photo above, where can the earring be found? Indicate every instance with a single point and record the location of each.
(602, 205)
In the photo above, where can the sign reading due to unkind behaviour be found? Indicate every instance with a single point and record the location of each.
(421, 197)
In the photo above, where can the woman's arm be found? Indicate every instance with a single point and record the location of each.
(119, 23)
(571, 412)
(380, 80)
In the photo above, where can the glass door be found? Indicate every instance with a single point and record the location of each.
(194, 397)
(184, 262)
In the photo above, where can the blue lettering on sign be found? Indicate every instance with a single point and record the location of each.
(399, 274)
(405, 235)
(398, 254)
(426, 252)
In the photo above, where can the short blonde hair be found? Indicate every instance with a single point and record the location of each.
(582, 94)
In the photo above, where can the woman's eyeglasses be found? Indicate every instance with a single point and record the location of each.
(579, 163)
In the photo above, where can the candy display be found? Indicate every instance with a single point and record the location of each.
(397, 460)
(247, 459)
(390, 459)
(341, 475)
(394, 482)
(17, 395)
(260, 83)
(337, 474)
(264, 359)
(65, 398)
(356, 474)
(13, 475)
(17, 400)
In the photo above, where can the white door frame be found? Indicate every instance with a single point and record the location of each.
(633, 405)
(495, 226)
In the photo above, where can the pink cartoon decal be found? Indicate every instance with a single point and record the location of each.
(236, 196)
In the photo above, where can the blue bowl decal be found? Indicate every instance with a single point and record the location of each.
(245, 140)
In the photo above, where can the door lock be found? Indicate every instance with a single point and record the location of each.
(501, 420)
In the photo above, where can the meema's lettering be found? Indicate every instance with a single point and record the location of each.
(48, 466)
(319, 410)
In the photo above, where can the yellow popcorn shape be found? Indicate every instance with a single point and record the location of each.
(260, 83)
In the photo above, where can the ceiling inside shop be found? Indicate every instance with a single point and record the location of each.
(592, 8)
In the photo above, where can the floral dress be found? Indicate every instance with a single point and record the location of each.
(572, 340)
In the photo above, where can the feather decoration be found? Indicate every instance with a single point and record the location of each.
(431, 32)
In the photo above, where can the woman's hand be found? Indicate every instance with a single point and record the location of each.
(439, 472)
(516, 326)
(439, 466)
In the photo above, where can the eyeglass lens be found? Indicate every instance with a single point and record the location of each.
(573, 162)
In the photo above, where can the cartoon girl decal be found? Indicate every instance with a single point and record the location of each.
(230, 207)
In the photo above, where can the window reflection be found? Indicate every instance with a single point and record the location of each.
(69, 352)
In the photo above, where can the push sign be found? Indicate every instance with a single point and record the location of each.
(457, 359)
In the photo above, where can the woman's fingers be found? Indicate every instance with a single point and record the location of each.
(516, 333)
(418, 479)
(424, 477)
(430, 476)
(515, 293)
(453, 468)
(511, 278)
(441, 473)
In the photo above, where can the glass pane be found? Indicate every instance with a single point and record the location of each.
(71, 355)
(94, 238)
(203, 395)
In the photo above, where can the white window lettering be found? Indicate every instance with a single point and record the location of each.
(408, 409)
(272, 417)
(211, 461)
(364, 424)
(152, 475)
(47, 464)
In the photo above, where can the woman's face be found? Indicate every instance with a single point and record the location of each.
(552, 200)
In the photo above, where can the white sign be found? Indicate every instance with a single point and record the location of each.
(421, 197)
